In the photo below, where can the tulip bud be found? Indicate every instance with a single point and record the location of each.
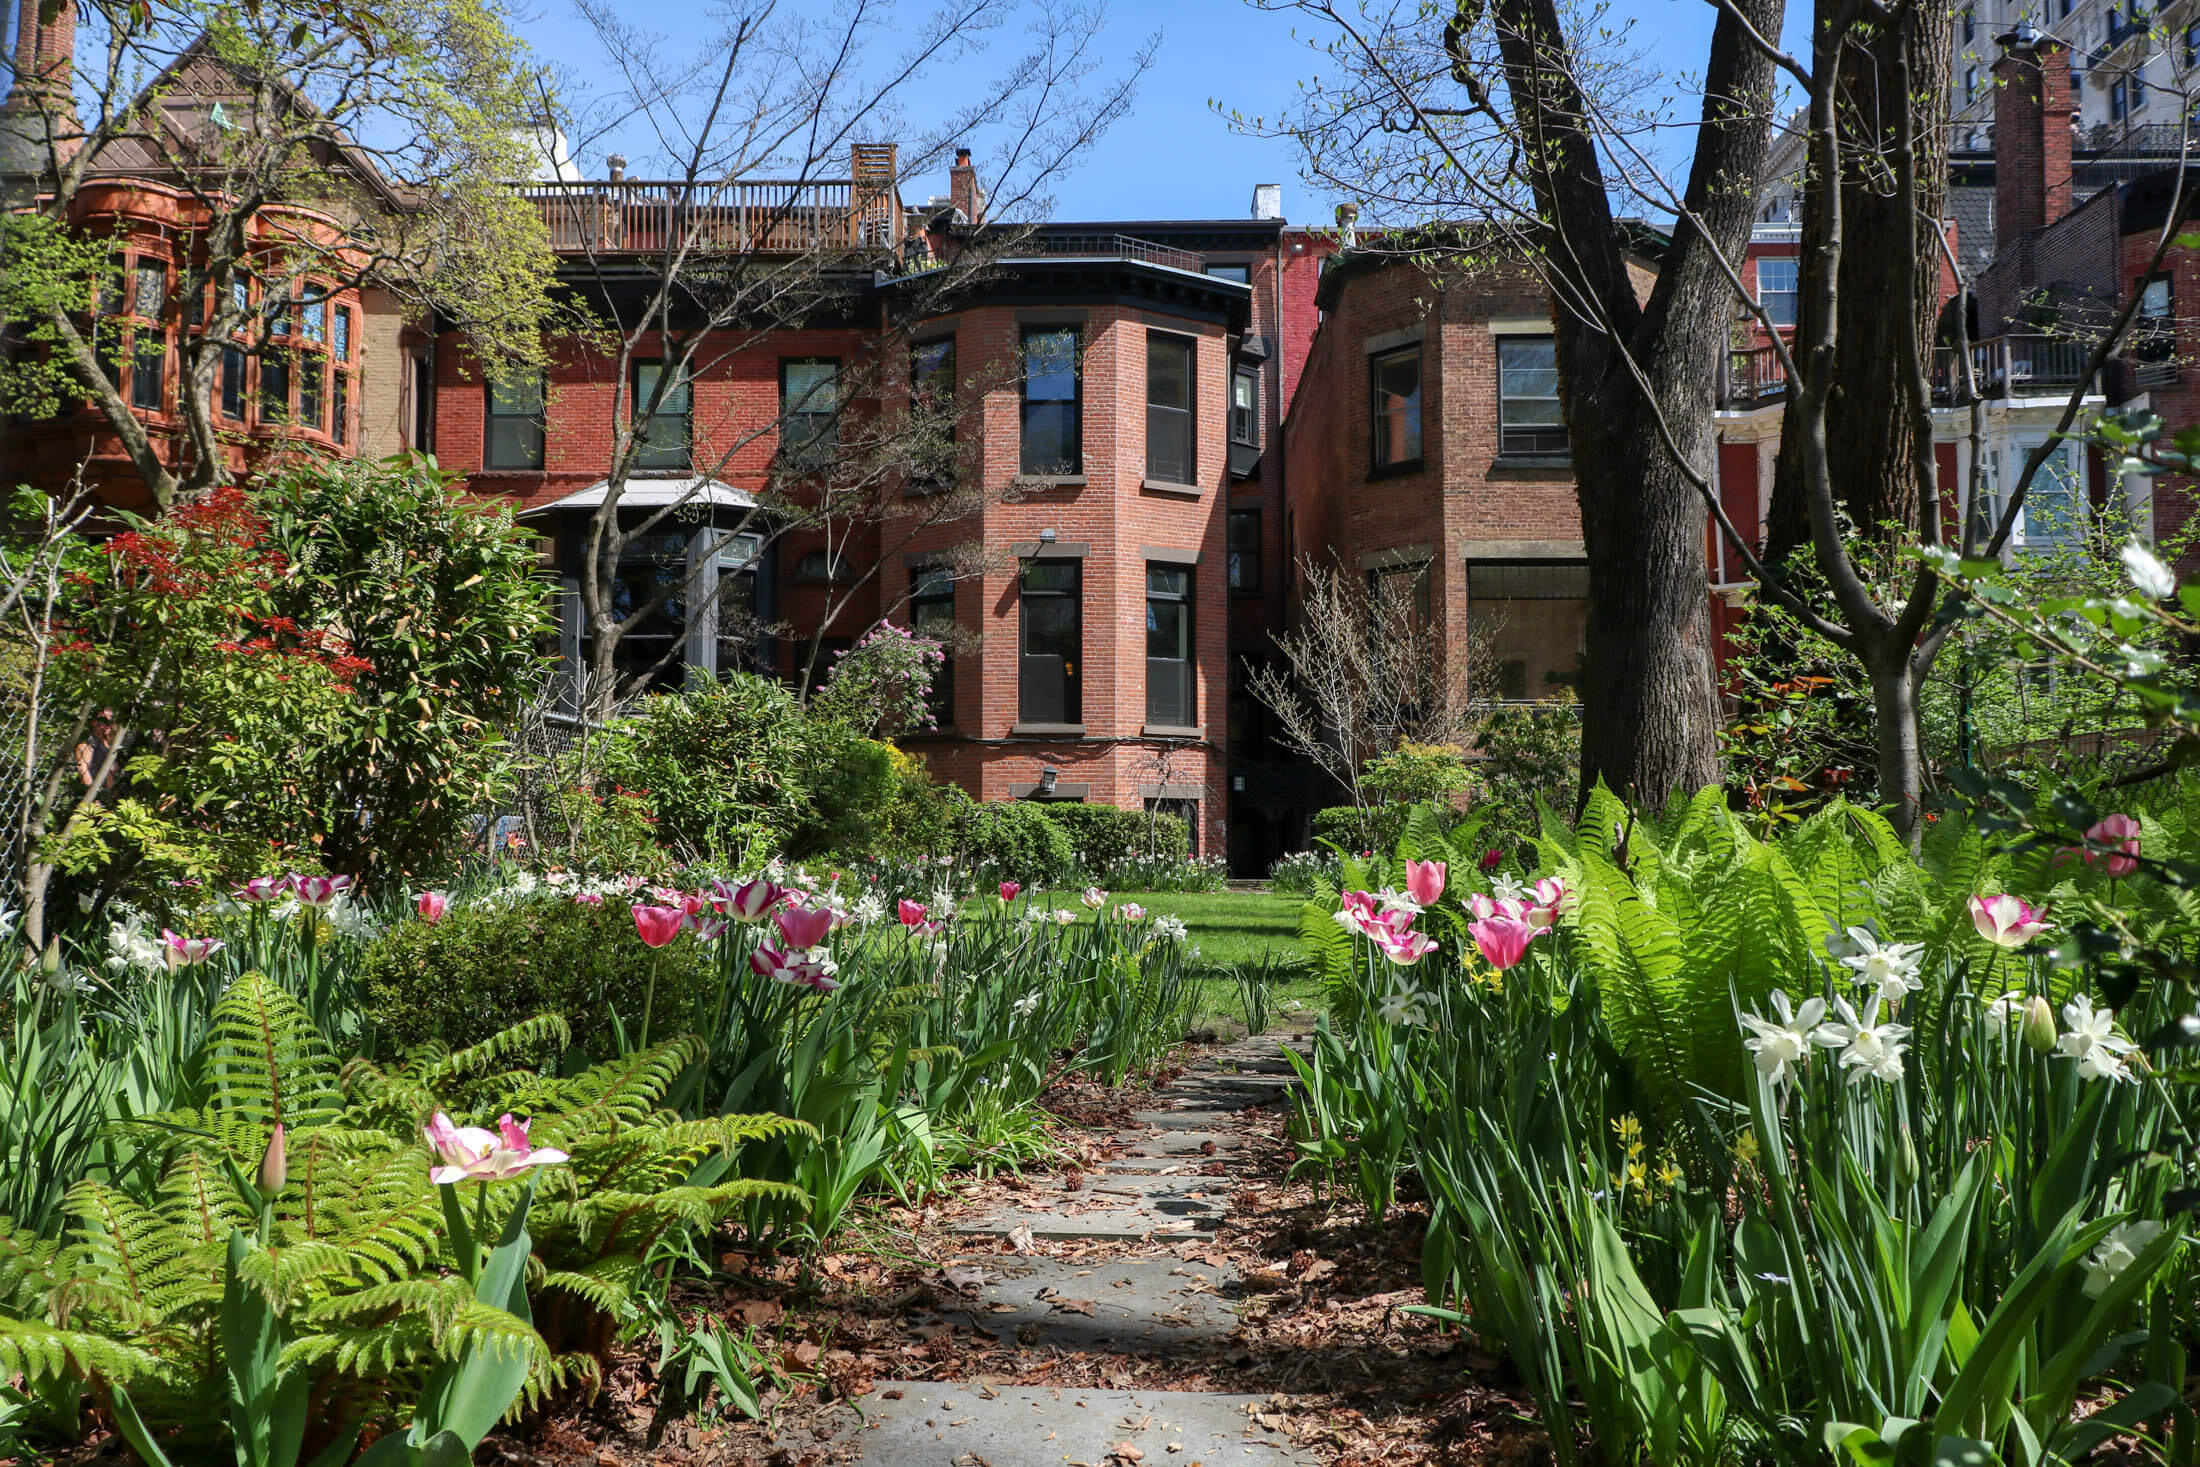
(49, 962)
(275, 1166)
(2039, 1024)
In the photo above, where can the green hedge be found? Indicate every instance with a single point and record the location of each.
(1017, 840)
(482, 969)
(1102, 835)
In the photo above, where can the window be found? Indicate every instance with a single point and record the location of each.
(1052, 642)
(932, 398)
(1242, 274)
(2119, 101)
(312, 371)
(663, 434)
(1169, 646)
(340, 339)
(1245, 406)
(232, 382)
(1394, 385)
(1387, 585)
(1776, 287)
(313, 320)
(1051, 385)
(274, 385)
(1528, 418)
(932, 616)
(339, 406)
(2154, 334)
(2192, 45)
(738, 629)
(1184, 810)
(1970, 84)
(150, 296)
(1531, 618)
(1244, 550)
(809, 413)
(1169, 409)
(146, 366)
(515, 424)
(2054, 507)
(1970, 26)
(816, 568)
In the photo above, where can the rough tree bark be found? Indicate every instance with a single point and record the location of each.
(1634, 369)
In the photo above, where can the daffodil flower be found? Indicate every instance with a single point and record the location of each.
(1778, 1046)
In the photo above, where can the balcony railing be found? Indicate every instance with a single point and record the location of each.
(646, 216)
(2003, 366)
(1107, 247)
(1754, 377)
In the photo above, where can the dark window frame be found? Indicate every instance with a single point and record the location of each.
(1410, 409)
(806, 452)
(932, 587)
(1221, 270)
(653, 454)
(1245, 422)
(1177, 417)
(1185, 712)
(930, 474)
(1068, 708)
(534, 417)
(1073, 465)
(1528, 440)
(1235, 558)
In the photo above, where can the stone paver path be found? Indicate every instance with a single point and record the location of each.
(1170, 1180)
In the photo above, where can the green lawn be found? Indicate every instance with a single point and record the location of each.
(1228, 927)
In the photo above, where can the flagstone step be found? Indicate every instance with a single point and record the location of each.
(926, 1424)
(1128, 1306)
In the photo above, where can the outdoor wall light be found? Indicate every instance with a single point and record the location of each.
(1046, 537)
(1047, 777)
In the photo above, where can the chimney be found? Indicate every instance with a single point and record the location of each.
(1348, 221)
(874, 172)
(2031, 134)
(45, 51)
(1267, 201)
(962, 187)
(616, 162)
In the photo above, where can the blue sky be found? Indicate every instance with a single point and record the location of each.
(1174, 156)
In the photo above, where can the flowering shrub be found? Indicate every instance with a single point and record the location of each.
(882, 685)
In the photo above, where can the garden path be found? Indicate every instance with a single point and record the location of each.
(1164, 1176)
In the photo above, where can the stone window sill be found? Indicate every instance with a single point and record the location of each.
(1533, 461)
(1163, 486)
(1173, 731)
(1072, 730)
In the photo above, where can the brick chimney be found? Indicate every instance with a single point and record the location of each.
(963, 190)
(2031, 134)
(45, 51)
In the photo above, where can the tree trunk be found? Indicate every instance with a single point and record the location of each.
(1648, 711)
(1871, 443)
(1901, 769)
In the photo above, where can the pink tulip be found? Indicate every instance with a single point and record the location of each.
(800, 969)
(1425, 881)
(1358, 901)
(911, 913)
(185, 952)
(1552, 892)
(431, 906)
(1407, 948)
(1490, 859)
(470, 1154)
(803, 927)
(274, 1164)
(2006, 921)
(658, 925)
(1503, 941)
(265, 889)
(2120, 832)
(588, 899)
(748, 902)
(319, 892)
(706, 929)
(1485, 906)
(1009, 890)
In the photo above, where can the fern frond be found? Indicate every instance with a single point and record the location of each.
(37, 1351)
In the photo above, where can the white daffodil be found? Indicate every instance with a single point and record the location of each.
(131, 946)
(1865, 1043)
(1841, 944)
(2005, 1011)
(1507, 888)
(1779, 1046)
(2091, 1039)
(1397, 901)
(2117, 1252)
(1402, 1007)
(2148, 573)
(1026, 1004)
(1172, 928)
(1889, 967)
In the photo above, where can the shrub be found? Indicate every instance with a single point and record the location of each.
(1417, 774)
(464, 979)
(1016, 839)
(721, 764)
(923, 816)
(1107, 835)
(1353, 830)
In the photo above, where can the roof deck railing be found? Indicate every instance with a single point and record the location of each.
(770, 216)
